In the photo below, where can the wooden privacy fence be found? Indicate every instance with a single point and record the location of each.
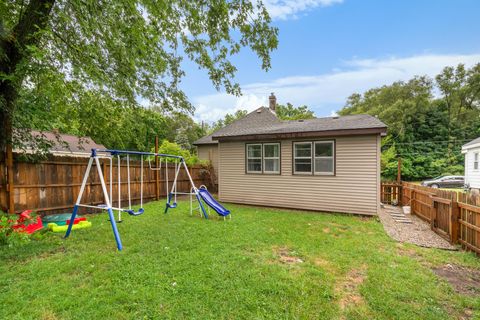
(53, 185)
(390, 193)
(453, 215)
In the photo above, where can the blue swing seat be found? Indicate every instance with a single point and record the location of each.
(133, 213)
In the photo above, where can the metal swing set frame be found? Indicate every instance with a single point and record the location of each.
(109, 154)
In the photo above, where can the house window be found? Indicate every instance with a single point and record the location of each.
(324, 158)
(271, 158)
(302, 157)
(475, 161)
(254, 158)
(317, 157)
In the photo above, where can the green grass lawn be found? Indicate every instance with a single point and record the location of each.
(264, 263)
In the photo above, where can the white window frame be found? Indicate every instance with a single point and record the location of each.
(476, 160)
(332, 173)
(310, 158)
(254, 158)
(271, 158)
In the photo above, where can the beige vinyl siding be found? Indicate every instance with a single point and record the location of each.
(353, 189)
(209, 152)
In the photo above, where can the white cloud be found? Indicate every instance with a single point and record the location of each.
(329, 91)
(213, 107)
(287, 9)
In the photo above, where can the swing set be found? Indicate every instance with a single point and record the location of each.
(202, 195)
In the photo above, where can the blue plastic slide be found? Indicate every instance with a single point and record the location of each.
(210, 201)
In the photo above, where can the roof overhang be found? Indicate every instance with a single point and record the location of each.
(198, 144)
(308, 134)
(471, 146)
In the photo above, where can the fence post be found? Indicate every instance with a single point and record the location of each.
(10, 181)
(157, 172)
(400, 193)
(433, 213)
(455, 214)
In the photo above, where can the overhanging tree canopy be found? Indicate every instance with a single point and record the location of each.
(123, 50)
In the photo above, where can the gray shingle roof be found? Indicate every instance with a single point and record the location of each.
(264, 122)
(471, 143)
(65, 143)
(205, 140)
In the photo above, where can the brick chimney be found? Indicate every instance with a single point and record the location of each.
(272, 102)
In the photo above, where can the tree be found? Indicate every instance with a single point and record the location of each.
(425, 130)
(460, 89)
(181, 128)
(289, 112)
(122, 51)
(167, 147)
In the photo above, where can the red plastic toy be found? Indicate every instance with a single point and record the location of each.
(32, 227)
(76, 220)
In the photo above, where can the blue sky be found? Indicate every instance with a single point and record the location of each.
(329, 49)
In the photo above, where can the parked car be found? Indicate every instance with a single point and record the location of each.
(445, 182)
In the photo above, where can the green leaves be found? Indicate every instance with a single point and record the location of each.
(425, 129)
(173, 148)
(92, 55)
(289, 112)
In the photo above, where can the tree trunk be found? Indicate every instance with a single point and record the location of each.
(14, 51)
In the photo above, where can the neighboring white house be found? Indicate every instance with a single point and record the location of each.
(472, 163)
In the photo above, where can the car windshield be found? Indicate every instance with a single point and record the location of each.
(436, 178)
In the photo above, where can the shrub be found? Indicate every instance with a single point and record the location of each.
(173, 148)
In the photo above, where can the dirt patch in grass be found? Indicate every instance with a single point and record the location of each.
(48, 315)
(348, 289)
(322, 263)
(286, 256)
(464, 280)
(409, 252)
(467, 314)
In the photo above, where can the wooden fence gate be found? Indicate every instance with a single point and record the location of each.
(453, 215)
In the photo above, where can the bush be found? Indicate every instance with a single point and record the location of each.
(10, 236)
(172, 148)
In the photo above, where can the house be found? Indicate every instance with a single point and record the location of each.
(472, 166)
(60, 144)
(324, 164)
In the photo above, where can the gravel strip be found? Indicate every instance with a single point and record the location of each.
(418, 232)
